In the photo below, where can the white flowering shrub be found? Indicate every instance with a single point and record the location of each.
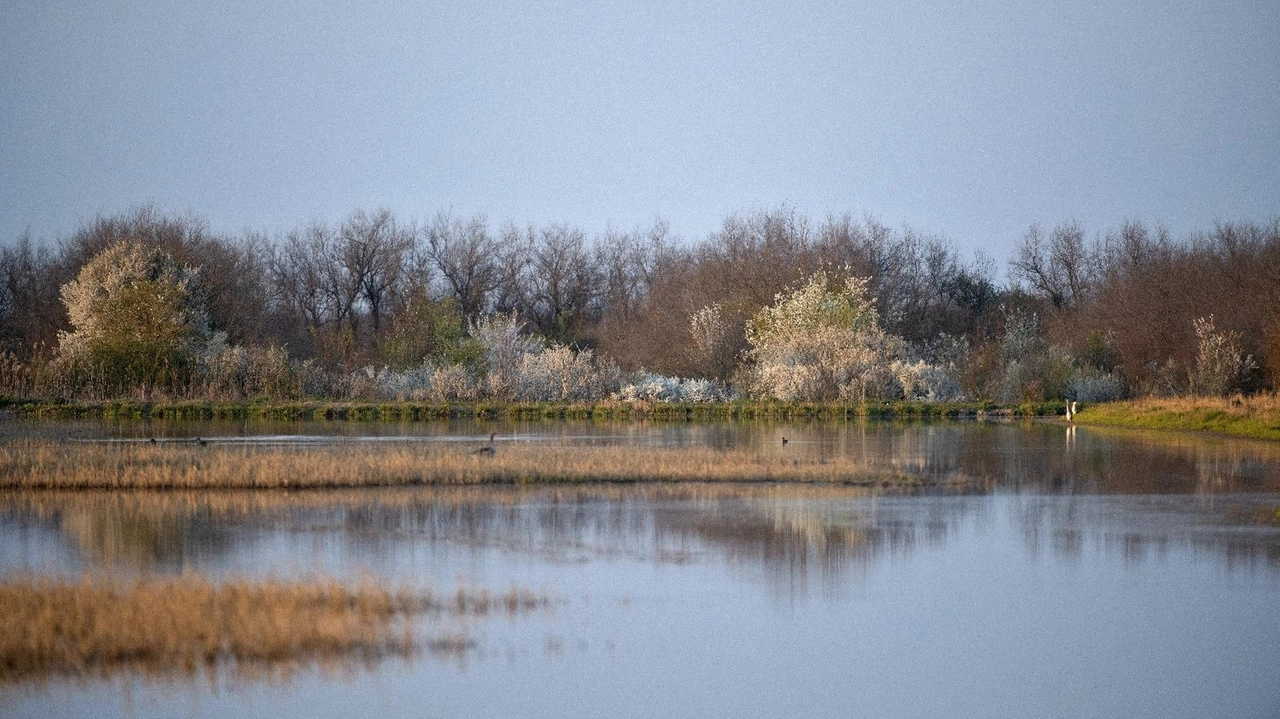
(650, 387)
(560, 374)
(138, 317)
(923, 382)
(505, 348)
(822, 341)
(1222, 367)
(223, 368)
(706, 390)
(453, 383)
(424, 383)
(518, 366)
(717, 341)
(1021, 340)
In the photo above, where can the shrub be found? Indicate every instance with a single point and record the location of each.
(649, 387)
(426, 382)
(822, 341)
(716, 340)
(1090, 385)
(139, 319)
(1222, 367)
(504, 347)
(923, 382)
(560, 374)
(1029, 368)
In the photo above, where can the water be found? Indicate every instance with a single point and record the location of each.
(1091, 574)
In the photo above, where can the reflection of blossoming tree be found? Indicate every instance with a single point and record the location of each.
(822, 341)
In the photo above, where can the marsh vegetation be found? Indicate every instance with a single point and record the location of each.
(215, 465)
(189, 624)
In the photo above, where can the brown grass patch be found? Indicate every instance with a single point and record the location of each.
(182, 625)
(37, 464)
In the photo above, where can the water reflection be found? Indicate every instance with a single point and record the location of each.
(1107, 573)
(1132, 493)
(790, 536)
(1234, 528)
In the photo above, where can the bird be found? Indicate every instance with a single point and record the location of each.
(202, 441)
(1071, 412)
(152, 440)
(784, 441)
(488, 450)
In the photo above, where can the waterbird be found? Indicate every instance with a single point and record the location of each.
(202, 442)
(152, 440)
(488, 450)
(784, 441)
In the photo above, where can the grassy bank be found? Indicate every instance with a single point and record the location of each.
(44, 465)
(602, 410)
(1256, 417)
(182, 625)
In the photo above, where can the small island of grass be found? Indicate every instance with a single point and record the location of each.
(1253, 417)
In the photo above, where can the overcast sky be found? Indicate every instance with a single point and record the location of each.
(967, 118)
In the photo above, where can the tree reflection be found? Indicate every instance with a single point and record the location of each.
(1131, 493)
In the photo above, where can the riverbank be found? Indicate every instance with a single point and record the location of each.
(1256, 417)
(326, 410)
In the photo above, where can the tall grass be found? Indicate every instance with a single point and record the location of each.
(165, 625)
(37, 464)
(1255, 417)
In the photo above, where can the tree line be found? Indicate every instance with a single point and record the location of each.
(1123, 312)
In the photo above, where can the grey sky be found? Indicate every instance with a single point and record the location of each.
(968, 118)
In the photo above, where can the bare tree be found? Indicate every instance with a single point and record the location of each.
(467, 258)
(1058, 267)
(300, 275)
(514, 249)
(30, 311)
(372, 254)
(562, 283)
(626, 263)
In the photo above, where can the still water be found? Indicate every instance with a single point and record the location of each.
(1085, 573)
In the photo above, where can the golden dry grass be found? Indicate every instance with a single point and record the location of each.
(1254, 417)
(39, 464)
(223, 504)
(167, 625)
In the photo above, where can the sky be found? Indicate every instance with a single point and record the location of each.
(969, 119)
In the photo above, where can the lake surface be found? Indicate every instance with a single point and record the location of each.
(1084, 573)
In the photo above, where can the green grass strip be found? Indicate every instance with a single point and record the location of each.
(1227, 417)
(320, 410)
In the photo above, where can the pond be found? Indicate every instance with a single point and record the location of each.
(1076, 573)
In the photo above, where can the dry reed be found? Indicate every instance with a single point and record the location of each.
(37, 464)
(166, 625)
(48, 504)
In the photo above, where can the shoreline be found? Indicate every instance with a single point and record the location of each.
(407, 411)
(1256, 417)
